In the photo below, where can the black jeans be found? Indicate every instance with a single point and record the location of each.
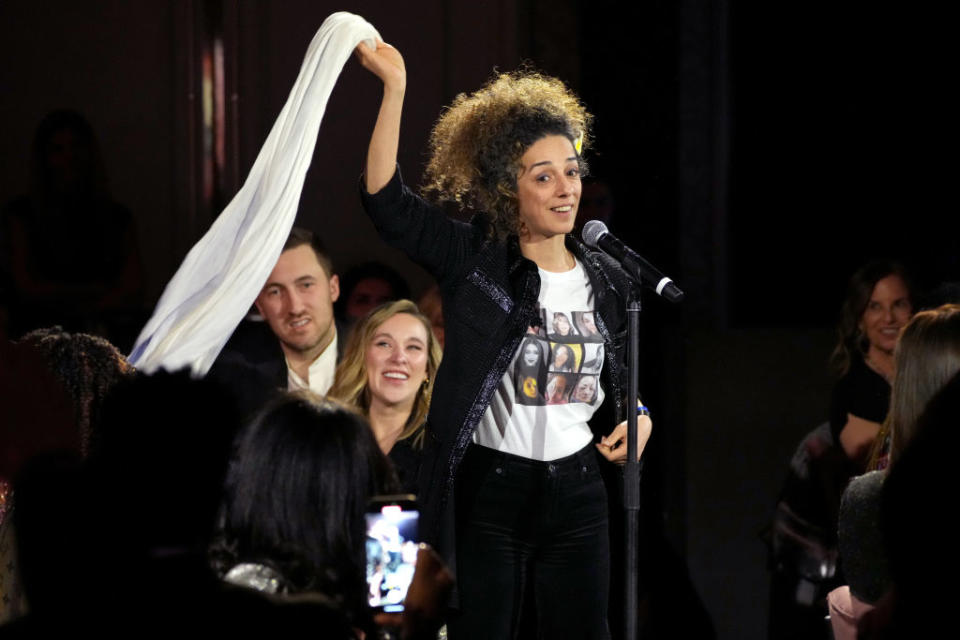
(523, 522)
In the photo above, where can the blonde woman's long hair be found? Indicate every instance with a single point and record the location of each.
(927, 357)
(350, 382)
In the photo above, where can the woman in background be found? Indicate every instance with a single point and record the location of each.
(387, 372)
(927, 358)
(879, 303)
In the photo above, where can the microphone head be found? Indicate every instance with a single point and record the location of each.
(592, 232)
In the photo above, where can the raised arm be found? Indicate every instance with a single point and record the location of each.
(387, 64)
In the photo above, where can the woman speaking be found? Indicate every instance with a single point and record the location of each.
(512, 488)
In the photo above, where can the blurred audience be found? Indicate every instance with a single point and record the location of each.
(52, 388)
(88, 366)
(365, 287)
(131, 524)
(68, 252)
(804, 553)
(927, 357)
(916, 519)
(293, 523)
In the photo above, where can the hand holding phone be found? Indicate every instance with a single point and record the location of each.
(426, 600)
(391, 549)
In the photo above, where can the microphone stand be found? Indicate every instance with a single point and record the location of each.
(631, 470)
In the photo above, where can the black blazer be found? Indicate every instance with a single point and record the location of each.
(251, 365)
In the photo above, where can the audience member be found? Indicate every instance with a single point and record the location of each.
(387, 372)
(927, 357)
(879, 303)
(134, 521)
(297, 304)
(52, 389)
(364, 288)
(70, 253)
(916, 520)
(88, 366)
(295, 497)
(804, 554)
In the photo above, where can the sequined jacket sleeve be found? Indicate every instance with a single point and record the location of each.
(423, 231)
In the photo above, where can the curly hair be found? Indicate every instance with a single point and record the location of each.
(88, 367)
(476, 145)
(351, 385)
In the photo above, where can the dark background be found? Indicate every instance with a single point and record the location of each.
(757, 152)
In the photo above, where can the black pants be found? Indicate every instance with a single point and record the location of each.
(521, 523)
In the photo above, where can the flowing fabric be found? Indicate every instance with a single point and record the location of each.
(223, 273)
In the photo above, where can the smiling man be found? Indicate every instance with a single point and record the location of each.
(296, 302)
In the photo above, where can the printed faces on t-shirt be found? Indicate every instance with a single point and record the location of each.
(560, 360)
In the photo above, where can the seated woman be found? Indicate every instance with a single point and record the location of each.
(927, 357)
(295, 497)
(879, 303)
(387, 372)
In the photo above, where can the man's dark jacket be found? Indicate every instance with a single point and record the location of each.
(252, 366)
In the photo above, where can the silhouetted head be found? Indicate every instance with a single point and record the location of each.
(296, 492)
(66, 156)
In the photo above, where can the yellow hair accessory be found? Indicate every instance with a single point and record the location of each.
(578, 143)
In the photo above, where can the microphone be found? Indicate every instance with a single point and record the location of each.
(596, 236)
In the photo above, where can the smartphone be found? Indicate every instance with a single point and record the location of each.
(392, 545)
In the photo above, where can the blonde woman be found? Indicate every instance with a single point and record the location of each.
(387, 372)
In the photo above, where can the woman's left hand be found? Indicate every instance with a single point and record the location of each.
(614, 446)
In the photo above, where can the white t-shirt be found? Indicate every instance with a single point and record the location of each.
(552, 386)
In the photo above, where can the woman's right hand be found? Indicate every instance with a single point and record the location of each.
(386, 63)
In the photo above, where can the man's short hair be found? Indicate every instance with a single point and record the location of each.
(300, 236)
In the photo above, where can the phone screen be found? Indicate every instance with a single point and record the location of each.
(392, 546)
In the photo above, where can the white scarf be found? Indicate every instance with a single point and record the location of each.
(224, 272)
